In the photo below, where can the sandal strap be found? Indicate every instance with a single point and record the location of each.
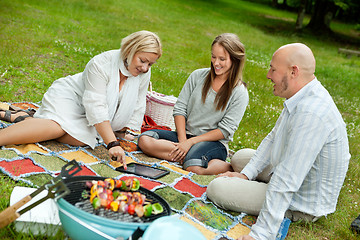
(7, 116)
(20, 118)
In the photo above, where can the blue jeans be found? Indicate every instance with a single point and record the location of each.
(199, 154)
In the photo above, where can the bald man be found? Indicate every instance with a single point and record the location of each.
(299, 168)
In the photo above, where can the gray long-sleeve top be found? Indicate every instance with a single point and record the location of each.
(202, 118)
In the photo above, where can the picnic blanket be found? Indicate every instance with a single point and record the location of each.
(35, 164)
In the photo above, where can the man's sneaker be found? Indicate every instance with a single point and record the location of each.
(355, 225)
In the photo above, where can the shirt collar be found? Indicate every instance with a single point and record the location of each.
(291, 103)
(123, 69)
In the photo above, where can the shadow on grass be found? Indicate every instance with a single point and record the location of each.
(261, 16)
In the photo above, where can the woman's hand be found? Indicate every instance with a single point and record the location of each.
(118, 154)
(115, 151)
(180, 150)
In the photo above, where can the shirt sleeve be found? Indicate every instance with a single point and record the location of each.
(180, 107)
(234, 112)
(140, 107)
(94, 99)
(306, 134)
(261, 158)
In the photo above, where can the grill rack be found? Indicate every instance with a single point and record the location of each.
(77, 186)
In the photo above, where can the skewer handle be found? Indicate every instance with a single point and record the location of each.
(9, 214)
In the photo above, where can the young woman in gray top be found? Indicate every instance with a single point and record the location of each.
(207, 113)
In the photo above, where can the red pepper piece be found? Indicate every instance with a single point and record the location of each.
(131, 209)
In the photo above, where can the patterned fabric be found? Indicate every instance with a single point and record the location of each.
(36, 164)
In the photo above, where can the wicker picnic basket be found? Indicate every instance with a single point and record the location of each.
(160, 108)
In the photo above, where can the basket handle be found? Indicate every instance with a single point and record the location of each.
(150, 87)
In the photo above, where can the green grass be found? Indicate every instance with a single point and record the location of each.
(46, 39)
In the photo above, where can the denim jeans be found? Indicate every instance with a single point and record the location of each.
(199, 154)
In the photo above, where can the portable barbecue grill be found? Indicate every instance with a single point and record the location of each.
(78, 218)
(81, 221)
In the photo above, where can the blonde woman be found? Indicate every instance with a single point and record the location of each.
(207, 113)
(108, 97)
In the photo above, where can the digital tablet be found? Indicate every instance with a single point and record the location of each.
(143, 170)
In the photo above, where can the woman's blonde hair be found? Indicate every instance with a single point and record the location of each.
(231, 43)
(141, 41)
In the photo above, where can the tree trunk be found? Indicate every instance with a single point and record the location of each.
(301, 15)
(322, 16)
(309, 6)
(274, 3)
(283, 5)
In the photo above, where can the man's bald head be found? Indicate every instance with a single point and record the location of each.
(300, 55)
(292, 67)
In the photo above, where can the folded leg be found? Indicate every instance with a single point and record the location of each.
(236, 194)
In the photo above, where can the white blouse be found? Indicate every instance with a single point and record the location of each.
(80, 101)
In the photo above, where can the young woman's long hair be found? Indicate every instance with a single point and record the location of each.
(231, 43)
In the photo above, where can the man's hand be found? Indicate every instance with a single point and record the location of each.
(233, 174)
(246, 237)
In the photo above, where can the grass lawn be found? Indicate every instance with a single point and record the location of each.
(46, 39)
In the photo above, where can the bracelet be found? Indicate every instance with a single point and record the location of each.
(112, 144)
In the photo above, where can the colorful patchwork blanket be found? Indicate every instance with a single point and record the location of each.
(35, 164)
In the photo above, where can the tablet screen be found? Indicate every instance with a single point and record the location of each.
(143, 170)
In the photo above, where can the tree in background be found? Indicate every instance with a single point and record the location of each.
(322, 15)
(322, 12)
(301, 14)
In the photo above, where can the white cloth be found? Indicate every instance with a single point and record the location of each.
(308, 149)
(80, 101)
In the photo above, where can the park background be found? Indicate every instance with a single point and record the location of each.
(43, 40)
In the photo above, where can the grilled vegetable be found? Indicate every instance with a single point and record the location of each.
(157, 208)
(131, 209)
(96, 203)
(110, 183)
(106, 194)
(114, 206)
(147, 210)
(135, 184)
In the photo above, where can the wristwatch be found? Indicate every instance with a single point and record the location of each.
(112, 144)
